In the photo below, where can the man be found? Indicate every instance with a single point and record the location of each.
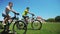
(5, 14)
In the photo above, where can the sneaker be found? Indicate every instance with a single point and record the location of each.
(10, 32)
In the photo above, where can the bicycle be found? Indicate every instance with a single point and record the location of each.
(35, 24)
(18, 25)
(6, 27)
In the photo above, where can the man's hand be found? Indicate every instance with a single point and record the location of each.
(32, 14)
(17, 13)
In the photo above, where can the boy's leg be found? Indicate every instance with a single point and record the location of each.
(25, 21)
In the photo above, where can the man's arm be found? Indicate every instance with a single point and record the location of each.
(13, 11)
(10, 9)
(29, 13)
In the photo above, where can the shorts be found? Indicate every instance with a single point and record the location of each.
(25, 17)
(4, 15)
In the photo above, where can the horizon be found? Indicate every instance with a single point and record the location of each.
(43, 8)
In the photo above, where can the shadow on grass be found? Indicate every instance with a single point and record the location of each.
(30, 29)
(3, 32)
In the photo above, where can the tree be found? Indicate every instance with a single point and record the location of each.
(57, 18)
(50, 20)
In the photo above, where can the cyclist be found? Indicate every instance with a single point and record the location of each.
(5, 14)
(24, 15)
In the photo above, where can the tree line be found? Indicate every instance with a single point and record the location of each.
(55, 19)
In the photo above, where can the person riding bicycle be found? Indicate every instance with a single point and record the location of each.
(5, 14)
(24, 15)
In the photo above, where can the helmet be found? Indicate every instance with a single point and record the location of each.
(27, 8)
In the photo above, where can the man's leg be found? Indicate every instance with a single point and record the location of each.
(6, 27)
(4, 22)
(9, 22)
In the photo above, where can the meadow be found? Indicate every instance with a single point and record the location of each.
(47, 28)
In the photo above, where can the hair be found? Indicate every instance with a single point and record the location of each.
(10, 3)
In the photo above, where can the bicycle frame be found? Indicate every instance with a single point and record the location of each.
(32, 19)
(14, 19)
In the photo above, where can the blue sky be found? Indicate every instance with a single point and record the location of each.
(44, 8)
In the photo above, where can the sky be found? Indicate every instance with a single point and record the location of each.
(43, 8)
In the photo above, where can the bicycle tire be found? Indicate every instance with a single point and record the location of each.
(39, 23)
(17, 25)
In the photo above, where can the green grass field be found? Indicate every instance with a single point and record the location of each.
(47, 28)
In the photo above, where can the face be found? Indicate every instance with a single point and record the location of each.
(11, 5)
(28, 9)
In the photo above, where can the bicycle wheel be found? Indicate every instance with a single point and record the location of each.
(36, 24)
(19, 26)
(1, 26)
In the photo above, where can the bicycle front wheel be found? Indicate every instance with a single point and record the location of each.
(19, 26)
(36, 24)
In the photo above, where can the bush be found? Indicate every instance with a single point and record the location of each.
(50, 20)
(57, 18)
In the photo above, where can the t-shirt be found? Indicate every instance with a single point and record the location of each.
(7, 11)
(25, 13)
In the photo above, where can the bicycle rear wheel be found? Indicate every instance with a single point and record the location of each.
(36, 24)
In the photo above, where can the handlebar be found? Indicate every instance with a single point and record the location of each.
(16, 13)
(32, 14)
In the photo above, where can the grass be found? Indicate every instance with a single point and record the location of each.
(47, 28)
